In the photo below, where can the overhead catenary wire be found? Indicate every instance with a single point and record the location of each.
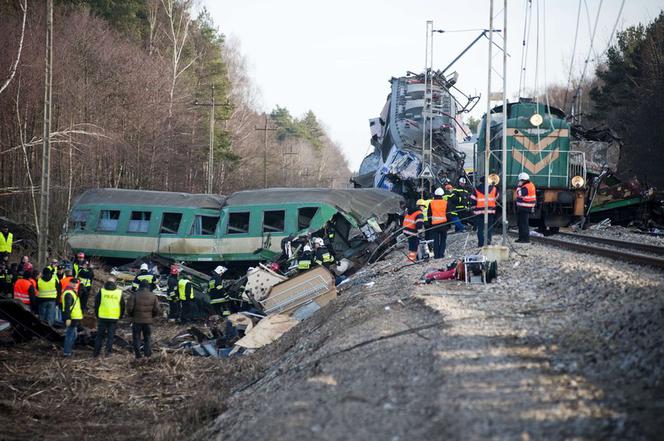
(587, 60)
(524, 48)
(615, 27)
(571, 63)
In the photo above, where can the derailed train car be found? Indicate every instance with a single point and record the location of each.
(246, 226)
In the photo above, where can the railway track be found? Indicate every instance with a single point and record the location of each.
(620, 250)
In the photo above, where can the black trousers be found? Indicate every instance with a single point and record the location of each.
(439, 241)
(138, 329)
(186, 310)
(174, 309)
(523, 214)
(105, 330)
(83, 294)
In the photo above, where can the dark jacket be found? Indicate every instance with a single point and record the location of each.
(143, 306)
(109, 286)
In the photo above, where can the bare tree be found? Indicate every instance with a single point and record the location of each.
(12, 69)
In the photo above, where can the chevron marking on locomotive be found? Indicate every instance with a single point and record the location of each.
(536, 147)
(535, 168)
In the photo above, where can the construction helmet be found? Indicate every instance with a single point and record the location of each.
(318, 241)
(439, 192)
(306, 248)
(462, 181)
(220, 270)
(144, 266)
(523, 176)
(421, 203)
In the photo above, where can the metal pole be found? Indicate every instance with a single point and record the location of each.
(431, 108)
(211, 153)
(424, 103)
(44, 196)
(265, 155)
(503, 159)
(487, 131)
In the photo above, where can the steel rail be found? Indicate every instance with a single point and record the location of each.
(624, 256)
(652, 249)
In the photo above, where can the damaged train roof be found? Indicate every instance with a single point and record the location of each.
(151, 198)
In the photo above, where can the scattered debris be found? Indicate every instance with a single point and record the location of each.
(24, 324)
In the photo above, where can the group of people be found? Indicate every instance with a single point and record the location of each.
(430, 220)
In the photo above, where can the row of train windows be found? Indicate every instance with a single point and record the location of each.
(238, 223)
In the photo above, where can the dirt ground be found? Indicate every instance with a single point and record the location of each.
(572, 352)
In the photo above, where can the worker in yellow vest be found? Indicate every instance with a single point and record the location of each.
(48, 291)
(6, 241)
(72, 315)
(186, 294)
(109, 307)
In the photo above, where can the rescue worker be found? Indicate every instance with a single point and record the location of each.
(5, 281)
(78, 263)
(85, 277)
(72, 314)
(460, 209)
(306, 256)
(109, 307)
(526, 199)
(186, 296)
(218, 299)
(173, 296)
(480, 200)
(437, 212)
(142, 308)
(413, 228)
(54, 268)
(143, 274)
(6, 242)
(48, 291)
(24, 265)
(25, 290)
(322, 255)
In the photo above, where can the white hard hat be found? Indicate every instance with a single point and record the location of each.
(523, 176)
(144, 266)
(220, 269)
(318, 241)
(462, 180)
(306, 248)
(439, 192)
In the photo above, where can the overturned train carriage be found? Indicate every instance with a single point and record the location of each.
(246, 226)
(398, 133)
(538, 143)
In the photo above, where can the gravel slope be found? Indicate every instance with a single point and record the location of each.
(563, 346)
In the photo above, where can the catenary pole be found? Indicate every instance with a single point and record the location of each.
(44, 196)
(503, 159)
(211, 153)
(487, 131)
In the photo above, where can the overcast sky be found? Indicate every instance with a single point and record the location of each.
(336, 57)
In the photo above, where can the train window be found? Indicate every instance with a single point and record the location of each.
(238, 223)
(170, 223)
(78, 219)
(273, 221)
(204, 225)
(304, 217)
(108, 220)
(139, 222)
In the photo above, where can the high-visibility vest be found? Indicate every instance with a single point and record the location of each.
(6, 243)
(410, 223)
(109, 307)
(304, 261)
(22, 290)
(64, 283)
(47, 290)
(530, 199)
(425, 216)
(323, 256)
(438, 211)
(490, 201)
(76, 313)
(461, 195)
(182, 289)
(85, 281)
(141, 277)
(76, 268)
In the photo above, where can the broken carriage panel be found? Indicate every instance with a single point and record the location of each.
(247, 226)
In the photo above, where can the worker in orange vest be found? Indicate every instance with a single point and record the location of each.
(526, 199)
(480, 201)
(413, 228)
(437, 214)
(25, 291)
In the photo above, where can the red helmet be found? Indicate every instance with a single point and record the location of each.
(81, 255)
(174, 270)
